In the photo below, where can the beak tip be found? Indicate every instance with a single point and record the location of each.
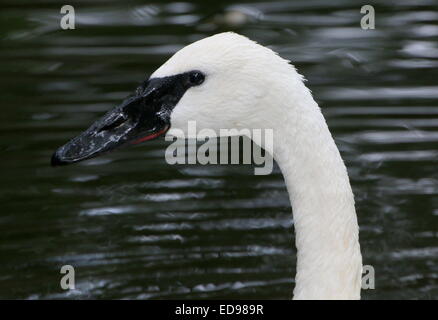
(57, 160)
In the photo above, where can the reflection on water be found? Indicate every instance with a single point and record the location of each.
(135, 227)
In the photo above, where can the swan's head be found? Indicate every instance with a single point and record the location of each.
(221, 82)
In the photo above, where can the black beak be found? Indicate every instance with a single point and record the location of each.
(143, 116)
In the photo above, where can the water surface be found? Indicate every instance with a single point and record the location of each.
(136, 227)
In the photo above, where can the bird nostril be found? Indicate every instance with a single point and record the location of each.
(116, 123)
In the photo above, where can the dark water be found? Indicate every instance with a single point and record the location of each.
(135, 227)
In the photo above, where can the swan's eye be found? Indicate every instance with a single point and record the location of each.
(196, 78)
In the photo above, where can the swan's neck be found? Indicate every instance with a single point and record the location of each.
(329, 262)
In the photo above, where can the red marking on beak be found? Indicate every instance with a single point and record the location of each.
(151, 136)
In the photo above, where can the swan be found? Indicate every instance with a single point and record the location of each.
(229, 81)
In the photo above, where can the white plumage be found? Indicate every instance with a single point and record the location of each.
(250, 86)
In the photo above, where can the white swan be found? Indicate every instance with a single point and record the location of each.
(229, 81)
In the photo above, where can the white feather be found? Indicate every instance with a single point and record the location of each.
(250, 86)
